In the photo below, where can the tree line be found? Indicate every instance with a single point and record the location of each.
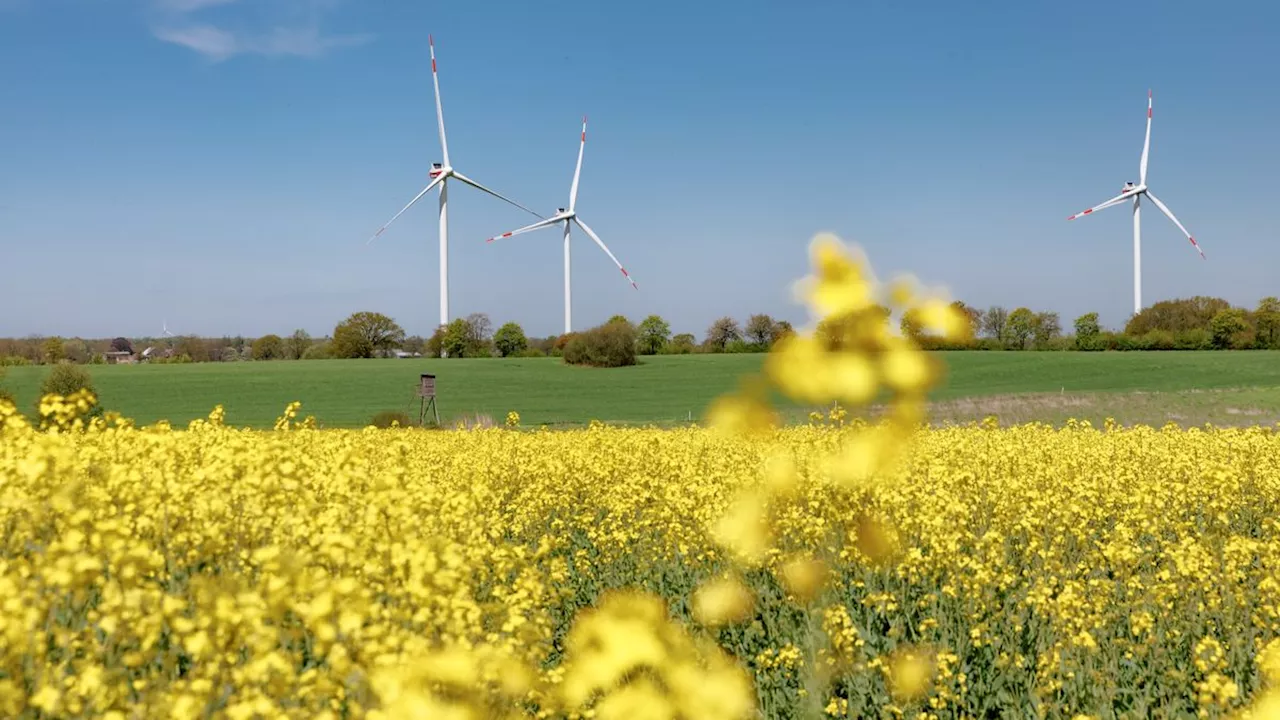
(1196, 323)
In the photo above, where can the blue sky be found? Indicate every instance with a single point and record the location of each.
(218, 164)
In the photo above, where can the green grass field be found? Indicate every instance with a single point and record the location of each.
(1154, 387)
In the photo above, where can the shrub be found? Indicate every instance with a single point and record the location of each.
(531, 353)
(988, 343)
(387, 418)
(1121, 342)
(1194, 339)
(319, 351)
(562, 342)
(682, 344)
(5, 395)
(65, 379)
(14, 361)
(1159, 340)
(610, 345)
(1060, 343)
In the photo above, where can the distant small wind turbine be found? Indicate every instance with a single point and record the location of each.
(1136, 192)
(440, 174)
(565, 217)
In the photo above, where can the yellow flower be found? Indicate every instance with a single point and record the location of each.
(841, 283)
(910, 673)
(804, 576)
(721, 601)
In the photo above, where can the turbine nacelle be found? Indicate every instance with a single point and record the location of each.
(1131, 189)
(438, 169)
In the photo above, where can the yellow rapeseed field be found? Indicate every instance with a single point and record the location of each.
(733, 570)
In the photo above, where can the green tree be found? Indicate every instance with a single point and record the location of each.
(1088, 331)
(654, 334)
(510, 340)
(297, 344)
(761, 330)
(1228, 327)
(52, 351)
(435, 343)
(1267, 321)
(620, 318)
(1176, 316)
(721, 333)
(467, 337)
(198, 349)
(365, 334)
(1020, 327)
(268, 347)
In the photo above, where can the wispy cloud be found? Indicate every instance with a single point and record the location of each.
(272, 37)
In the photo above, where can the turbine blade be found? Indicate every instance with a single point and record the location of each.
(603, 247)
(435, 80)
(573, 192)
(1166, 211)
(1113, 201)
(425, 190)
(1146, 145)
(478, 186)
(527, 228)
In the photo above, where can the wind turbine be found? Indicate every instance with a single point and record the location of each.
(1136, 192)
(440, 175)
(565, 218)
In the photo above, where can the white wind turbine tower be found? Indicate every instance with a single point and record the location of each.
(1136, 192)
(440, 175)
(565, 218)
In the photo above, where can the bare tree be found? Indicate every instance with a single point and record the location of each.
(995, 323)
(722, 332)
